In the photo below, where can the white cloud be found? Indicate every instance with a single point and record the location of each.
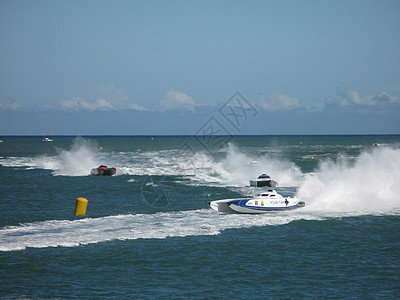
(137, 107)
(109, 97)
(114, 95)
(346, 97)
(385, 98)
(175, 100)
(10, 105)
(80, 103)
(280, 102)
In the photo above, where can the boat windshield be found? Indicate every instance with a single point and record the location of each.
(262, 195)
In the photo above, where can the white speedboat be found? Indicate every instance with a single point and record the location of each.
(264, 180)
(46, 139)
(262, 203)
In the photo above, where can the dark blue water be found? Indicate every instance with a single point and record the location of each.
(148, 232)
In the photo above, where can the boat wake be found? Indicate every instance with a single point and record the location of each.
(202, 222)
(66, 233)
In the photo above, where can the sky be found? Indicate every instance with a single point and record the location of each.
(150, 67)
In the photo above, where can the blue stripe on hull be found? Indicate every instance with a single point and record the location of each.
(242, 204)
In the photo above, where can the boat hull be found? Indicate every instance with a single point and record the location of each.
(223, 206)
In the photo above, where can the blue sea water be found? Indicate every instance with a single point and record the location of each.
(149, 233)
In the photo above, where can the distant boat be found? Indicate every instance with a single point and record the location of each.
(46, 139)
(103, 171)
(264, 180)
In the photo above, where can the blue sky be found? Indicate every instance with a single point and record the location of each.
(168, 67)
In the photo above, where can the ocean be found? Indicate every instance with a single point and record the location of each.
(149, 233)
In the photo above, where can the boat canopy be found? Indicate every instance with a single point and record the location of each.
(263, 176)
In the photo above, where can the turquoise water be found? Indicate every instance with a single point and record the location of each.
(148, 232)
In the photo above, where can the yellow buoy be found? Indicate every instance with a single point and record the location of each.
(101, 148)
(80, 207)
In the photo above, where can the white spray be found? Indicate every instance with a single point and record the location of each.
(77, 161)
(238, 168)
(371, 182)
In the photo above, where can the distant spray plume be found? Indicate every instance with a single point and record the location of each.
(79, 160)
(238, 168)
